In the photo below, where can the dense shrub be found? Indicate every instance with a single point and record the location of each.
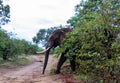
(95, 39)
(11, 48)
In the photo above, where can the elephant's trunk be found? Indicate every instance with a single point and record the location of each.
(46, 60)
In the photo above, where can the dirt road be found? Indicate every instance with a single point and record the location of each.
(32, 73)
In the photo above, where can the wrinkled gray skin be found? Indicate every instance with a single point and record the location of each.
(55, 40)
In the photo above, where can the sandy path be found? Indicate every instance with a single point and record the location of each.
(30, 73)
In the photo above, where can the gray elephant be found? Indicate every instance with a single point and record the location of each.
(55, 40)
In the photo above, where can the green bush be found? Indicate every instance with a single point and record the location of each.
(12, 48)
(95, 40)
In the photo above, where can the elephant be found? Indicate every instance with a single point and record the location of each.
(54, 40)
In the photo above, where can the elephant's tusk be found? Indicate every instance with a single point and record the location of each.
(43, 51)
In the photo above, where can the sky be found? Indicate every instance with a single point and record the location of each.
(29, 16)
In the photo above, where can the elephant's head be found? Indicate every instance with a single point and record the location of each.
(54, 40)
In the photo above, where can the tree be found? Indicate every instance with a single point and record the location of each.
(4, 39)
(95, 39)
(4, 18)
(11, 47)
(85, 7)
(4, 13)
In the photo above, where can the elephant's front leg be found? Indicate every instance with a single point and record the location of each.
(60, 63)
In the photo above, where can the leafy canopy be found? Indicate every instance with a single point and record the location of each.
(4, 13)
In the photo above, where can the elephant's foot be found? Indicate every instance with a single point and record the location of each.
(57, 71)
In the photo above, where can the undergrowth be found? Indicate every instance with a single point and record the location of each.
(14, 62)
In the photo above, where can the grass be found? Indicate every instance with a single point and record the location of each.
(23, 61)
(52, 72)
(14, 62)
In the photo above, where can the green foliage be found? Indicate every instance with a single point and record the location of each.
(11, 48)
(22, 47)
(4, 13)
(95, 39)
